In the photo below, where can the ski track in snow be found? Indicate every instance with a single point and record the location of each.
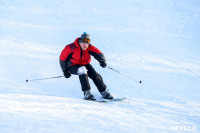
(133, 112)
(155, 63)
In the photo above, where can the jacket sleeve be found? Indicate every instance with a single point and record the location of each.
(65, 57)
(96, 53)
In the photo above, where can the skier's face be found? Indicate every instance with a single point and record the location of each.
(84, 45)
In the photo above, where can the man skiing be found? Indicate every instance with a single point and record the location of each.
(75, 59)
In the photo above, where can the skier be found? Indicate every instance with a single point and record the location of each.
(75, 59)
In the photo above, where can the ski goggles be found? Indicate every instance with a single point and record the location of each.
(86, 40)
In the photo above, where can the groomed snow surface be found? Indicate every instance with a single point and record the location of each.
(156, 41)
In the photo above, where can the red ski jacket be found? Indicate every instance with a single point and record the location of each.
(72, 54)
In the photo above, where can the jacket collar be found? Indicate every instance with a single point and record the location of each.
(76, 42)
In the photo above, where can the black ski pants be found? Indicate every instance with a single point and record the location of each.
(91, 73)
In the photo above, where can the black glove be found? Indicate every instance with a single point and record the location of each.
(67, 74)
(102, 63)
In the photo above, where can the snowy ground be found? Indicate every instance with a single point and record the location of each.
(156, 41)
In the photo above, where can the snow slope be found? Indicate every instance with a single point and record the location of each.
(156, 41)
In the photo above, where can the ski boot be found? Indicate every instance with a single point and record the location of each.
(88, 95)
(106, 95)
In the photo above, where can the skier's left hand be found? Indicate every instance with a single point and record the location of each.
(103, 64)
(67, 74)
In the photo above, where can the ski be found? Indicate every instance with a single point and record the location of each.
(99, 101)
(107, 100)
(117, 99)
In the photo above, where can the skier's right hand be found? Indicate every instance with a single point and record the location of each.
(67, 74)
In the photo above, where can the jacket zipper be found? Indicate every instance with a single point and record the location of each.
(81, 53)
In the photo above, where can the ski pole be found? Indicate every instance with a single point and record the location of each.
(44, 78)
(124, 74)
